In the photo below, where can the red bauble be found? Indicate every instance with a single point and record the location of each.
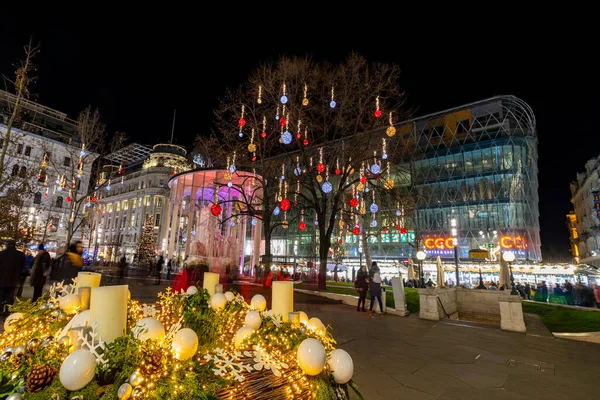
(242, 122)
(284, 205)
(282, 121)
(94, 198)
(45, 194)
(302, 226)
(173, 174)
(378, 176)
(295, 204)
(340, 241)
(99, 211)
(305, 142)
(338, 171)
(298, 135)
(356, 230)
(403, 231)
(354, 202)
(363, 179)
(215, 209)
(253, 158)
(49, 226)
(321, 168)
(397, 226)
(341, 231)
(377, 113)
(69, 199)
(385, 229)
(23, 231)
(263, 134)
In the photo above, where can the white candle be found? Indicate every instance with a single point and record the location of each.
(282, 302)
(89, 279)
(108, 308)
(210, 281)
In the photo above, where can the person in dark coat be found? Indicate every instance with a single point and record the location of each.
(12, 262)
(159, 267)
(362, 284)
(169, 269)
(41, 268)
(69, 264)
(25, 272)
(375, 288)
(122, 267)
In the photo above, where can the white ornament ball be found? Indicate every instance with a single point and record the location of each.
(81, 319)
(259, 302)
(341, 365)
(69, 303)
(125, 391)
(15, 396)
(311, 356)
(242, 334)
(316, 324)
(192, 290)
(218, 301)
(77, 370)
(14, 317)
(185, 344)
(253, 319)
(303, 317)
(229, 296)
(149, 328)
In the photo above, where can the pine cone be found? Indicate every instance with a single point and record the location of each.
(153, 361)
(40, 377)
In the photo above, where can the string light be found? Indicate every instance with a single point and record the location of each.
(391, 130)
(377, 112)
(259, 99)
(332, 104)
(305, 98)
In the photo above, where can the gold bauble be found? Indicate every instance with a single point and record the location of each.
(251, 147)
(390, 131)
(285, 224)
(227, 176)
(341, 224)
(279, 198)
(319, 178)
(305, 101)
(362, 210)
(239, 206)
(388, 184)
(259, 101)
(360, 187)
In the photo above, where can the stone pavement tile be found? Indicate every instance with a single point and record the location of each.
(483, 355)
(514, 368)
(551, 386)
(477, 394)
(402, 393)
(434, 385)
(370, 383)
(468, 373)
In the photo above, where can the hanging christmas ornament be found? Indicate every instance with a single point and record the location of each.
(297, 171)
(286, 137)
(302, 226)
(388, 184)
(259, 99)
(283, 97)
(108, 185)
(285, 224)
(356, 230)
(305, 99)
(377, 112)
(252, 146)
(360, 187)
(254, 221)
(327, 187)
(46, 194)
(373, 208)
(362, 210)
(305, 142)
(69, 199)
(354, 202)
(374, 223)
(385, 229)
(94, 199)
(403, 231)
(242, 121)
(321, 168)
(282, 121)
(363, 179)
(332, 103)
(390, 131)
(285, 204)
(305, 136)
(398, 213)
(229, 184)
(319, 178)
(375, 169)
(215, 210)
(397, 226)
(276, 210)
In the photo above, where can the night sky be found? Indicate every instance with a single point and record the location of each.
(138, 73)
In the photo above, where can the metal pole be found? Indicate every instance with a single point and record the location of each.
(513, 291)
(456, 263)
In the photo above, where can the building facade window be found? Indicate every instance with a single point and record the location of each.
(15, 170)
(67, 162)
(157, 220)
(23, 171)
(58, 202)
(37, 198)
(159, 202)
(19, 148)
(28, 151)
(42, 176)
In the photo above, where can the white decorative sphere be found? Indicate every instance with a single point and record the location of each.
(149, 328)
(341, 365)
(69, 303)
(77, 370)
(316, 324)
(229, 296)
(259, 302)
(185, 344)
(14, 317)
(242, 334)
(303, 317)
(125, 391)
(253, 319)
(81, 319)
(192, 290)
(15, 396)
(311, 356)
(218, 301)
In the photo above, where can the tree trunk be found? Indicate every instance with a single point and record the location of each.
(268, 257)
(323, 255)
(335, 273)
(367, 250)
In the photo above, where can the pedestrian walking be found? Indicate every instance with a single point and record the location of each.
(12, 262)
(159, 267)
(69, 264)
(375, 288)
(40, 271)
(122, 267)
(25, 272)
(169, 269)
(361, 284)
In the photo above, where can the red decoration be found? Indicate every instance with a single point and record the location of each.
(45, 194)
(378, 176)
(363, 179)
(242, 122)
(305, 142)
(397, 226)
(321, 168)
(341, 231)
(69, 199)
(403, 230)
(263, 134)
(282, 121)
(23, 231)
(94, 198)
(295, 204)
(356, 230)
(338, 171)
(377, 113)
(385, 229)
(285, 205)
(253, 158)
(298, 135)
(354, 202)
(99, 211)
(340, 241)
(50, 226)
(173, 174)
(302, 225)
(215, 209)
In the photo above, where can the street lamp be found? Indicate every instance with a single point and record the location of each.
(421, 256)
(455, 244)
(509, 257)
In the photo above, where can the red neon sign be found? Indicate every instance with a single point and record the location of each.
(439, 243)
(512, 242)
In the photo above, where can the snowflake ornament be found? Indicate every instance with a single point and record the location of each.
(95, 346)
(149, 310)
(229, 364)
(174, 329)
(266, 361)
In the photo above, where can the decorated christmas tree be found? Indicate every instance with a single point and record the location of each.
(146, 248)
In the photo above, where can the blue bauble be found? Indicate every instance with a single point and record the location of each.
(276, 210)
(374, 208)
(332, 104)
(283, 99)
(254, 222)
(398, 213)
(375, 169)
(374, 223)
(286, 137)
(327, 187)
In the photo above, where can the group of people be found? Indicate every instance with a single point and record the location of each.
(369, 281)
(14, 270)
